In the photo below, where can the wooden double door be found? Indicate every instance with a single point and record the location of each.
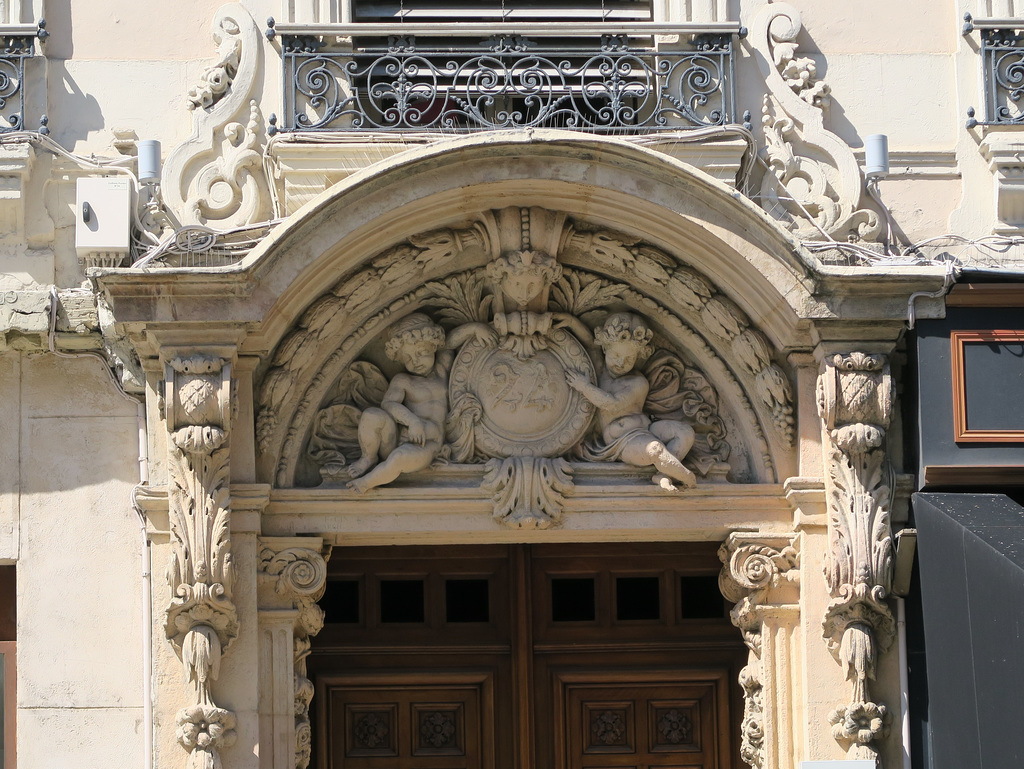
(526, 657)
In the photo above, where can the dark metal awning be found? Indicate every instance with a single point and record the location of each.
(971, 558)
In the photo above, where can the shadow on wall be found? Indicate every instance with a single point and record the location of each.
(74, 114)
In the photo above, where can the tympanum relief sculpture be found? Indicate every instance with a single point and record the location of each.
(525, 365)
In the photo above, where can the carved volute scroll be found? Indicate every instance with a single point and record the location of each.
(201, 620)
(760, 574)
(855, 404)
(217, 175)
(808, 163)
(297, 577)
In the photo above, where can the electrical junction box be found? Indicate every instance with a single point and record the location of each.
(103, 219)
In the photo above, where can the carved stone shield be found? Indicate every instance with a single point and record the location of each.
(527, 409)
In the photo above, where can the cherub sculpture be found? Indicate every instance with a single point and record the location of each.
(406, 433)
(627, 433)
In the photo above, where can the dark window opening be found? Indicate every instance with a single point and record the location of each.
(572, 599)
(401, 600)
(700, 597)
(341, 601)
(637, 598)
(466, 600)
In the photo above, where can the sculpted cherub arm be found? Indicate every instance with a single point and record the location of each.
(576, 326)
(393, 403)
(578, 381)
(459, 335)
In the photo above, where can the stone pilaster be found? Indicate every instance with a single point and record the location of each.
(201, 618)
(292, 577)
(855, 403)
(762, 575)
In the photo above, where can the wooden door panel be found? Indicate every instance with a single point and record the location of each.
(414, 720)
(640, 718)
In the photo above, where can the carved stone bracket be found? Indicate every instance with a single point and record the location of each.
(528, 491)
(293, 576)
(855, 404)
(757, 572)
(201, 620)
(217, 175)
(813, 172)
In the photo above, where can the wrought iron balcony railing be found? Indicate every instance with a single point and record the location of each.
(1002, 57)
(510, 81)
(17, 45)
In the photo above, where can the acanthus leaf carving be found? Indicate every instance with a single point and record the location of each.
(812, 171)
(201, 619)
(528, 491)
(855, 403)
(216, 175)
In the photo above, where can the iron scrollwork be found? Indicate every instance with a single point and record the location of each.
(14, 51)
(1002, 55)
(507, 82)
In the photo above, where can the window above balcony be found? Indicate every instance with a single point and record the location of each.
(446, 11)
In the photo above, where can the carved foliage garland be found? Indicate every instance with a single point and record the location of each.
(855, 403)
(756, 566)
(201, 620)
(813, 172)
(300, 576)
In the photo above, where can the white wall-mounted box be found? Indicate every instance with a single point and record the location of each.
(103, 216)
(843, 763)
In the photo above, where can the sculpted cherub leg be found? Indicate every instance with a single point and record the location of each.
(651, 451)
(677, 436)
(378, 436)
(407, 458)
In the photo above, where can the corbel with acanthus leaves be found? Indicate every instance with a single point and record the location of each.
(201, 620)
(855, 401)
(759, 575)
(295, 575)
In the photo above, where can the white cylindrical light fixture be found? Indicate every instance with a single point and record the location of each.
(149, 161)
(876, 156)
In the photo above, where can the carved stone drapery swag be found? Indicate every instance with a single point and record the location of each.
(855, 403)
(757, 569)
(298, 576)
(201, 620)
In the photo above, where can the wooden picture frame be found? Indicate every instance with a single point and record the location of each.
(962, 432)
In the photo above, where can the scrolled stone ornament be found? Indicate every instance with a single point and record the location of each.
(299, 571)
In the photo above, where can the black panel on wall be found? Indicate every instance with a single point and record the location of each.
(936, 444)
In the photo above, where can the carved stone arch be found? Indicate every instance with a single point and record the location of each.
(688, 311)
(753, 453)
(758, 283)
(609, 183)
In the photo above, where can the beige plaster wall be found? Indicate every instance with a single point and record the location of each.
(77, 546)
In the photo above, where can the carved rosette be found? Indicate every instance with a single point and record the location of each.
(299, 575)
(756, 568)
(201, 620)
(855, 404)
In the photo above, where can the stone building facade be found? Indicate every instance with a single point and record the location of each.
(508, 385)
